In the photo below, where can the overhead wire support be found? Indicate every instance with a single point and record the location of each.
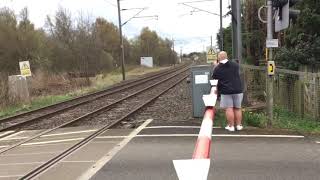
(128, 9)
(110, 3)
(134, 16)
(196, 8)
(198, 1)
(154, 16)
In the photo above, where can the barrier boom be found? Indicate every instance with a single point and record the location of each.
(197, 168)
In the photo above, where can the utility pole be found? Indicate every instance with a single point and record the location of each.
(181, 55)
(236, 30)
(121, 43)
(239, 34)
(211, 42)
(174, 58)
(221, 29)
(269, 82)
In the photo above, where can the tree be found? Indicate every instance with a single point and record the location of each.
(227, 39)
(254, 32)
(301, 39)
(107, 37)
(148, 43)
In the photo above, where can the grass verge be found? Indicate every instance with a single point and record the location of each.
(35, 104)
(283, 119)
(98, 83)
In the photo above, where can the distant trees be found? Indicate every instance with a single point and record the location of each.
(73, 44)
(18, 41)
(148, 43)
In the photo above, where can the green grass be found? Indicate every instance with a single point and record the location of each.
(98, 83)
(35, 104)
(283, 119)
(287, 120)
(249, 119)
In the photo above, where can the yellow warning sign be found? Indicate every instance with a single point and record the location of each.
(271, 67)
(211, 56)
(25, 68)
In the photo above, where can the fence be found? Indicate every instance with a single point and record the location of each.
(3, 89)
(296, 91)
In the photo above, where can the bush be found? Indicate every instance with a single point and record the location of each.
(255, 119)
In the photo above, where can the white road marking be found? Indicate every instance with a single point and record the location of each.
(318, 142)
(78, 161)
(50, 143)
(163, 135)
(13, 138)
(47, 142)
(183, 127)
(17, 164)
(5, 133)
(12, 135)
(27, 154)
(110, 137)
(11, 176)
(68, 133)
(54, 141)
(257, 135)
(220, 135)
(100, 163)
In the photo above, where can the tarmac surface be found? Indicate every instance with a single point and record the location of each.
(247, 156)
(146, 153)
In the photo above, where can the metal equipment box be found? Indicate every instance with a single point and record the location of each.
(201, 76)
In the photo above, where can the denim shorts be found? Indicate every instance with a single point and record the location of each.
(231, 100)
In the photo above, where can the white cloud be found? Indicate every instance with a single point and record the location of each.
(191, 32)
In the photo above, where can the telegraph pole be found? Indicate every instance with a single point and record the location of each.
(174, 58)
(181, 55)
(221, 30)
(121, 42)
(239, 34)
(269, 58)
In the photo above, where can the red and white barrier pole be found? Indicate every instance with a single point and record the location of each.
(197, 168)
(202, 149)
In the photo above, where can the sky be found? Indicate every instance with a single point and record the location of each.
(190, 29)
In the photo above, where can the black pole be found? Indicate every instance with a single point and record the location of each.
(121, 43)
(221, 29)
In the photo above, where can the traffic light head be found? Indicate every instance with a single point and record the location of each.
(284, 13)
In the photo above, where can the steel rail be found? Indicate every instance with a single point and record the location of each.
(104, 108)
(126, 82)
(109, 92)
(85, 141)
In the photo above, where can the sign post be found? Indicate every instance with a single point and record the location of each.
(25, 68)
(211, 56)
(272, 43)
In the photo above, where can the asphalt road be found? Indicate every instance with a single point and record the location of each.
(233, 158)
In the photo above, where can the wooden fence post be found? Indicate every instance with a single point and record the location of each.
(316, 96)
(299, 98)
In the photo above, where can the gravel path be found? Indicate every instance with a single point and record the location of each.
(173, 107)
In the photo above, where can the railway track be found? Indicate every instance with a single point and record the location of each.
(68, 109)
(114, 112)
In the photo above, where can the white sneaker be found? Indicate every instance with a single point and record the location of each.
(230, 128)
(239, 127)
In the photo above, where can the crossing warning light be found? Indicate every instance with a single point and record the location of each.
(271, 68)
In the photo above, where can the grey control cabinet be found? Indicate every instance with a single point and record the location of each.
(200, 85)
